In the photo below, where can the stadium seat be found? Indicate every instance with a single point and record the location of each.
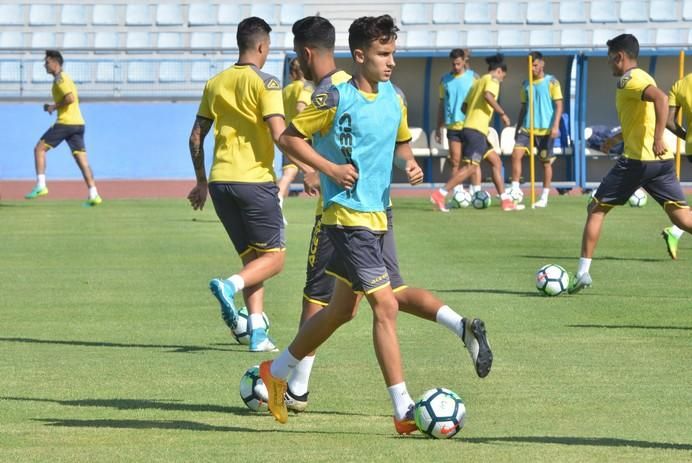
(439, 149)
(228, 41)
(10, 71)
(633, 11)
(170, 40)
(169, 14)
(229, 14)
(447, 38)
(11, 39)
(666, 37)
(539, 13)
(572, 12)
(140, 71)
(604, 11)
(171, 71)
(106, 40)
(477, 13)
(138, 14)
(663, 10)
(104, 15)
(573, 38)
(203, 40)
(290, 13)
(507, 140)
(201, 14)
(418, 39)
(11, 15)
(264, 11)
(43, 40)
(138, 40)
(75, 40)
(511, 37)
(200, 71)
(511, 12)
(599, 36)
(106, 71)
(446, 13)
(341, 40)
(414, 13)
(687, 10)
(542, 38)
(39, 74)
(645, 36)
(419, 142)
(80, 71)
(494, 140)
(73, 15)
(42, 15)
(480, 38)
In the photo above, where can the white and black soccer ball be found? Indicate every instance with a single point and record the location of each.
(440, 413)
(461, 199)
(552, 280)
(481, 200)
(516, 195)
(253, 391)
(240, 331)
(638, 198)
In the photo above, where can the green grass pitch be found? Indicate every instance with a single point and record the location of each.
(112, 348)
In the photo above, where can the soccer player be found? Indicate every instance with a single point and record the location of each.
(679, 99)
(244, 104)
(479, 106)
(547, 111)
(454, 86)
(68, 127)
(314, 44)
(296, 97)
(642, 110)
(357, 125)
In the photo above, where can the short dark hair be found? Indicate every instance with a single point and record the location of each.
(250, 32)
(536, 55)
(368, 29)
(314, 31)
(626, 43)
(54, 54)
(457, 53)
(496, 61)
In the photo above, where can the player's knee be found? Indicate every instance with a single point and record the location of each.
(40, 148)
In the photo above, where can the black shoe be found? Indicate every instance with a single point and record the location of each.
(297, 403)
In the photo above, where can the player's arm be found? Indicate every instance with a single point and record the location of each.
(555, 131)
(404, 160)
(660, 100)
(520, 116)
(440, 121)
(67, 100)
(200, 129)
(672, 122)
(490, 99)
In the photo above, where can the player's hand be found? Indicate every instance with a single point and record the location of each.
(554, 133)
(659, 147)
(344, 175)
(505, 120)
(414, 172)
(438, 136)
(311, 183)
(198, 196)
(49, 108)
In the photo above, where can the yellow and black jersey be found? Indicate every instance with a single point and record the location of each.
(478, 110)
(298, 91)
(681, 96)
(70, 114)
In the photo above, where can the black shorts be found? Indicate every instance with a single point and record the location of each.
(251, 215)
(454, 135)
(358, 259)
(72, 134)
(544, 144)
(627, 175)
(475, 146)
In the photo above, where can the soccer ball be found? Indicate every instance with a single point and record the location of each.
(240, 331)
(481, 200)
(552, 280)
(253, 391)
(516, 195)
(638, 198)
(461, 199)
(440, 413)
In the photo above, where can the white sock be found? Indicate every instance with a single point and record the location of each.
(474, 188)
(676, 231)
(584, 266)
(281, 201)
(443, 191)
(283, 365)
(256, 321)
(449, 319)
(545, 194)
(515, 186)
(93, 192)
(41, 180)
(237, 282)
(401, 400)
(298, 383)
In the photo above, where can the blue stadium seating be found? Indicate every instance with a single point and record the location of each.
(10, 71)
(446, 13)
(170, 40)
(138, 39)
(477, 13)
(573, 37)
(138, 14)
(171, 71)
(542, 38)
(106, 72)
(229, 14)
(140, 71)
(418, 39)
(645, 36)
(264, 11)
(414, 13)
(447, 38)
(11, 39)
(74, 39)
(80, 71)
(663, 10)
(290, 13)
(480, 38)
(601, 36)
(203, 40)
(74, 15)
(11, 15)
(572, 12)
(687, 10)
(228, 41)
(634, 11)
(510, 12)
(668, 36)
(539, 13)
(510, 37)
(604, 11)
(169, 14)
(39, 74)
(42, 15)
(104, 15)
(201, 14)
(43, 40)
(200, 71)
(106, 40)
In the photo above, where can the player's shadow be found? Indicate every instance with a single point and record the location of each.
(172, 348)
(488, 291)
(617, 258)
(584, 441)
(633, 327)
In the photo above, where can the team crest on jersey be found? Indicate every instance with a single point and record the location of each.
(320, 100)
(273, 84)
(623, 80)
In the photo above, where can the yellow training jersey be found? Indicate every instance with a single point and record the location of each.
(478, 110)
(239, 100)
(298, 91)
(637, 117)
(70, 114)
(681, 95)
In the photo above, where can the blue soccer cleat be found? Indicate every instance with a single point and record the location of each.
(36, 192)
(261, 342)
(224, 291)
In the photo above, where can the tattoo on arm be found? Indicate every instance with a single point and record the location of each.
(199, 131)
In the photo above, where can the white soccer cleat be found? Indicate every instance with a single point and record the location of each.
(540, 204)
